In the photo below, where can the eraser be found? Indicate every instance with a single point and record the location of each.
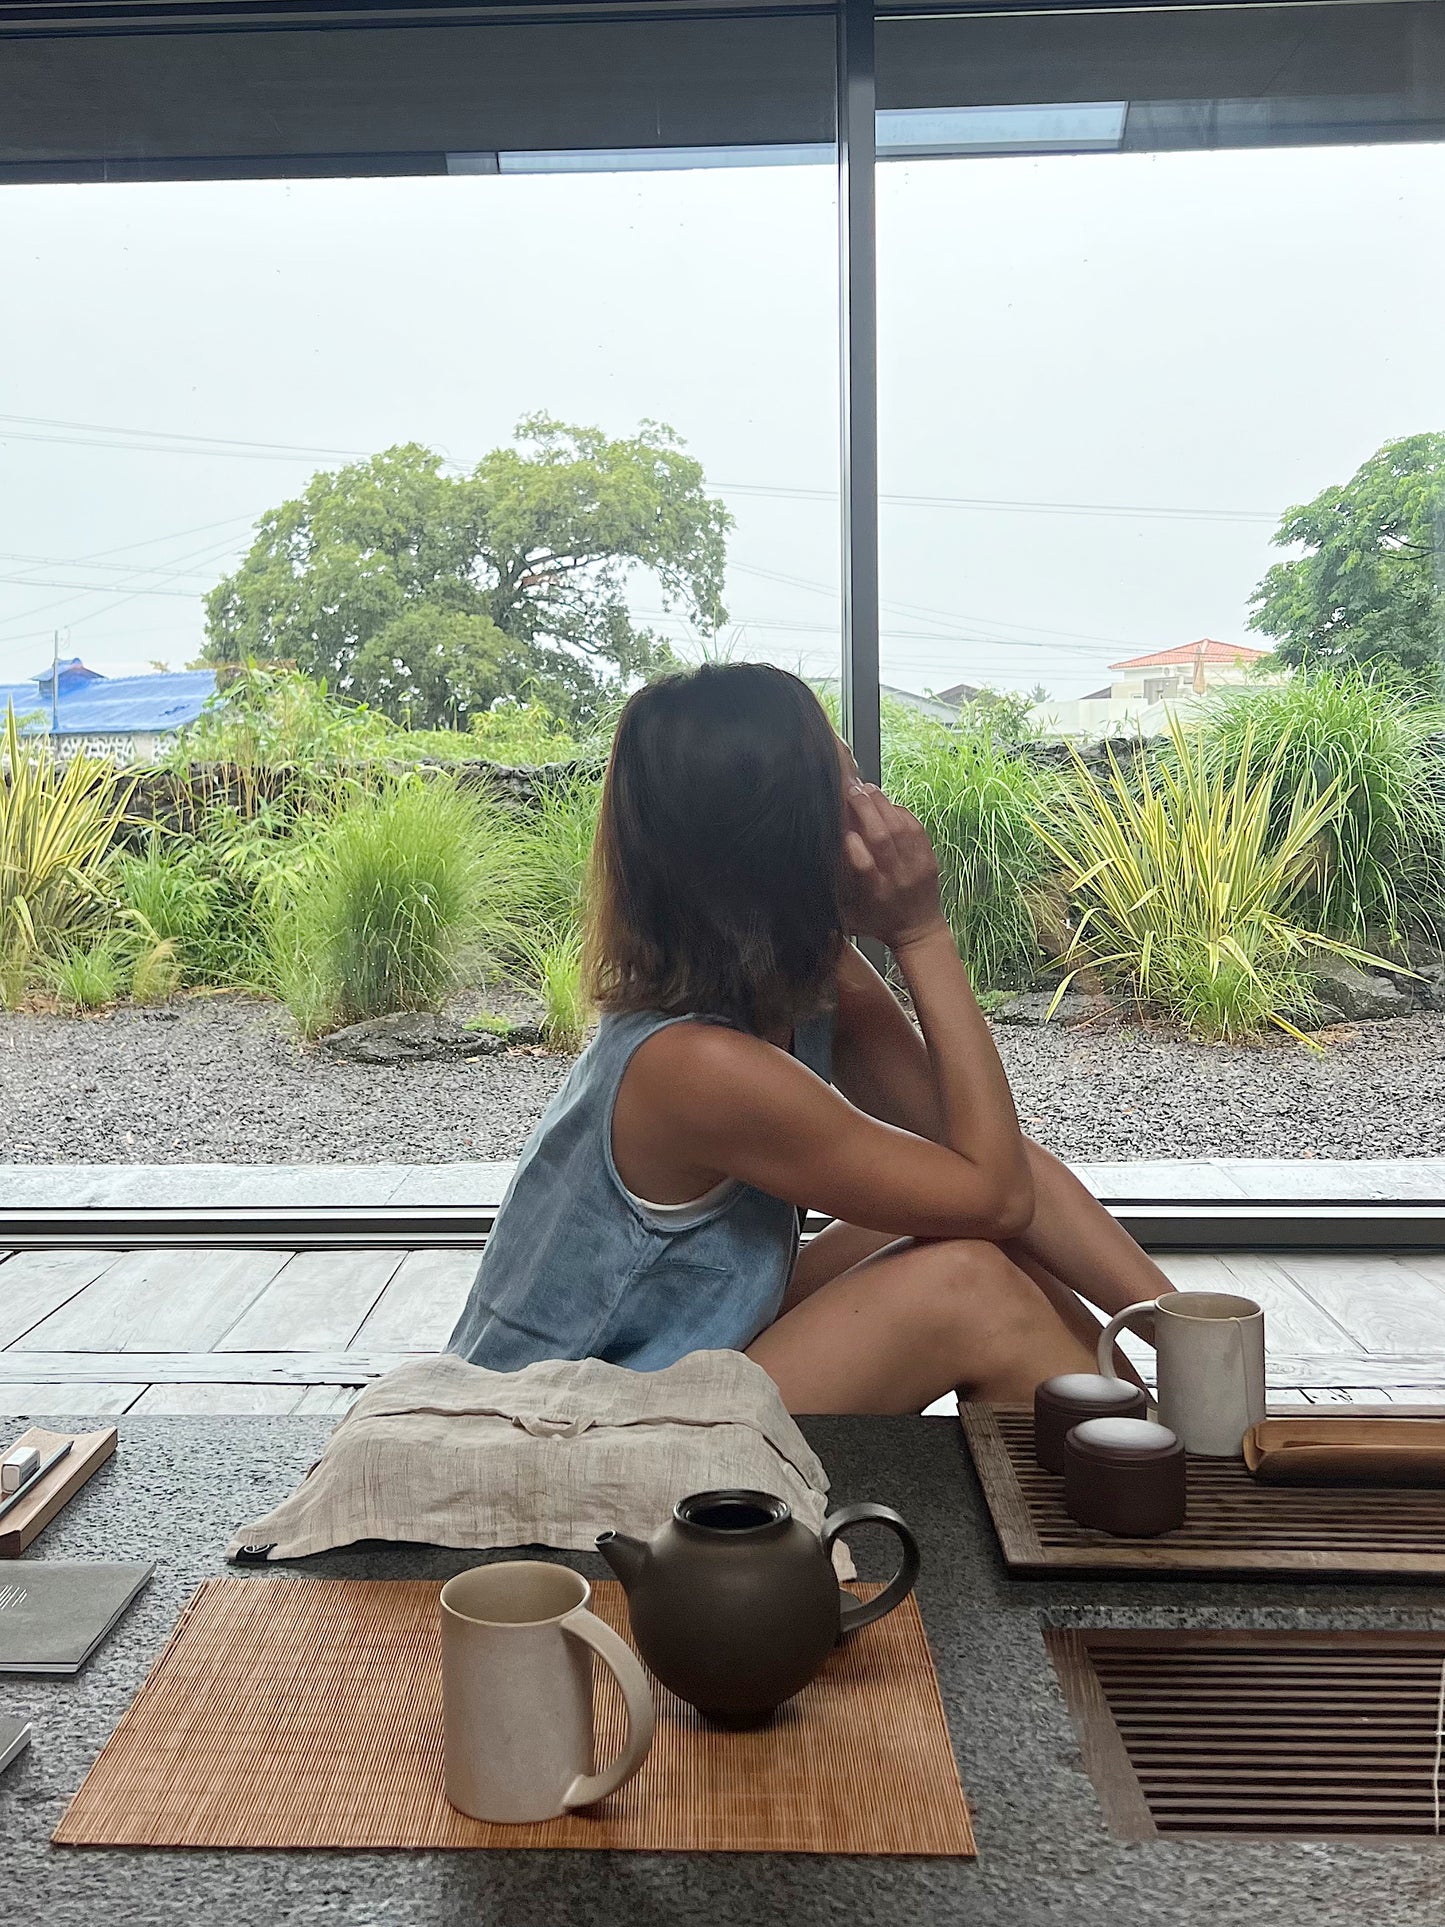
(18, 1466)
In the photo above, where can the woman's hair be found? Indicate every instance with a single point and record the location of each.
(717, 874)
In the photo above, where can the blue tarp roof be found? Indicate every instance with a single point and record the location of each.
(113, 706)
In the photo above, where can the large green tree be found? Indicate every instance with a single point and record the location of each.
(428, 594)
(1370, 587)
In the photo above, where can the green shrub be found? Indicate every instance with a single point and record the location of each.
(395, 896)
(85, 977)
(978, 800)
(554, 969)
(265, 720)
(166, 897)
(56, 827)
(1186, 890)
(155, 973)
(1383, 873)
(554, 847)
(521, 735)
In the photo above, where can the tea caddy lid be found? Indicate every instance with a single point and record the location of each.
(1085, 1391)
(1122, 1441)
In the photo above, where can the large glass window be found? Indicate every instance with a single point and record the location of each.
(429, 458)
(1163, 464)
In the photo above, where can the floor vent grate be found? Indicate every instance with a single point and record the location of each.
(1310, 1735)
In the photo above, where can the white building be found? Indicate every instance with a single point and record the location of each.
(1147, 689)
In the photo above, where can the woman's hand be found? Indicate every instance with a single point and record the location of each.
(892, 871)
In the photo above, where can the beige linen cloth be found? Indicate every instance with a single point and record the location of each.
(440, 1452)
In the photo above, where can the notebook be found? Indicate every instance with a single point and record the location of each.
(54, 1614)
(14, 1738)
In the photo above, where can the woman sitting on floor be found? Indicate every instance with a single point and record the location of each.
(750, 1065)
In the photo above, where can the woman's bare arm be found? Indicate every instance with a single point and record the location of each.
(711, 1103)
(699, 1101)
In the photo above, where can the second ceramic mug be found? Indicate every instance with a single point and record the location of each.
(1210, 1350)
(517, 1646)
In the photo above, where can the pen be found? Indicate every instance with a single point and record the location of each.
(45, 1465)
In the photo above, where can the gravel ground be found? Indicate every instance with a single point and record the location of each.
(224, 1079)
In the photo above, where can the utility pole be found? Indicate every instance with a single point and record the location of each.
(54, 689)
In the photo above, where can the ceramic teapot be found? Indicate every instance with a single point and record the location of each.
(734, 1604)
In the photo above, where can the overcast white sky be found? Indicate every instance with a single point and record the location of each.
(1083, 339)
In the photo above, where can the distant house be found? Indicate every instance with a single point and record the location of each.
(943, 708)
(126, 718)
(1146, 689)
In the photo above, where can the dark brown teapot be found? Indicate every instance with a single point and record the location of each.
(734, 1604)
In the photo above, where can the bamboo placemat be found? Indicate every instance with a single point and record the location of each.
(307, 1713)
(1232, 1523)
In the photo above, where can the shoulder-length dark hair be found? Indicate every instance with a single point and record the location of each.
(717, 873)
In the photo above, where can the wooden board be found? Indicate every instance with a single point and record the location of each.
(177, 1301)
(1233, 1524)
(211, 1401)
(318, 1303)
(307, 1713)
(197, 1368)
(1258, 1735)
(421, 1305)
(58, 1399)
(89, 1451)
(33, 1284)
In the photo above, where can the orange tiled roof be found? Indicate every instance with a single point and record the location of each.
(1188, 653)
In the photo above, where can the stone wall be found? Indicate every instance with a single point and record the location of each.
(177, 800)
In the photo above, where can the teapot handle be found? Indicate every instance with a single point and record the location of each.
(862, 1612)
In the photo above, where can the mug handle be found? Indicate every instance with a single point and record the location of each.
(626, 1669)
(1130, 1315)
(862, 1612)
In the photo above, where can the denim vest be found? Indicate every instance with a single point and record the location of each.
(577, 1268)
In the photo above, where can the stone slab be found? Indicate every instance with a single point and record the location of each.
(146, 1186)
(178, 1485)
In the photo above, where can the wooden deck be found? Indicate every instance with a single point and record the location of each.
(100, 1332)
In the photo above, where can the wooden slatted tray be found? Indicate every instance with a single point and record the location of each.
(1234, 1525)
(1324, 1735)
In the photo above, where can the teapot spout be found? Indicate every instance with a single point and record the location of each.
(625, 1555)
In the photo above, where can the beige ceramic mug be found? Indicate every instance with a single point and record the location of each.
(1210, 1351)
(517, 1646)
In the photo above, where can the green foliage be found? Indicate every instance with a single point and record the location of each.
(165, 895)
(207, 896)
(1370, 588)
(430, 595)
(155, 973)
(85, 976)
(521, 735)
(1188, 890)
(554, 969)
(490, 1024)
(554, 847)
(978, 799)
(56, 827)
(1383, 848)
(263, 720)
(395, 895)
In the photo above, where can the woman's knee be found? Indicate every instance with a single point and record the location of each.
(980, 1287)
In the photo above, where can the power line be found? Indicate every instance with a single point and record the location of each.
(1007, 506)
(43, 428)
(31, 427)
(952, 617)
(109, 568)
(209, 549)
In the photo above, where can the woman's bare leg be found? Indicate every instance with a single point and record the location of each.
(836, 1249)
(913, 1322)
(1074, 1312)
(1077, 1242)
